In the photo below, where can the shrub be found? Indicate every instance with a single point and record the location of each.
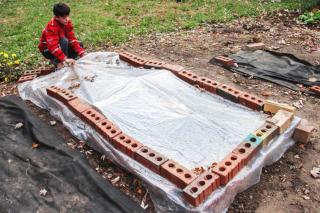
(9, 66)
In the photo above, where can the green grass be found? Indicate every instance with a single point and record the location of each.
(114, 21)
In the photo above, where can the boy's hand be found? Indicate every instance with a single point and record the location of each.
(69, 62)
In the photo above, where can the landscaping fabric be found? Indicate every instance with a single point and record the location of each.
(49, 177)
(280, 68)
(155, 107)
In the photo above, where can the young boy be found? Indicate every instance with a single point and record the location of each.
(58, 42)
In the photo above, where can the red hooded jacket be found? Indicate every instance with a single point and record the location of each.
(51, 36)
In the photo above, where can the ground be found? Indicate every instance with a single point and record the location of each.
(285, 186)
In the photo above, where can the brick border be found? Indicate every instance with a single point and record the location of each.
(29, 75)
(196, 188)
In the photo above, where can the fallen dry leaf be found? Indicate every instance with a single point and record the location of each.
(139, 191)
(43, 192)
(143, 202)
(301, 146)
(315, 172)
(18, 125)
(306, 197)
(35, 145)
(115, 180)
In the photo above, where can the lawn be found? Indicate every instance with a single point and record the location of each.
(115, 21)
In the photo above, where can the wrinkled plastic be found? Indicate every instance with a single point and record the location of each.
(155, 107)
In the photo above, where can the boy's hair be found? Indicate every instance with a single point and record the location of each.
(61, 9)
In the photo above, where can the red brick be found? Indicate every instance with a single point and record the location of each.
(125, 56)
(228, 168)
(32, 72)
(92, 117)
(251, 101)
(188, 76)
(177, 174)
(245, 151)
(192, 194)
(65, 96)
(173, 68)
(267, 132)
(132, 59)
(201, 188)
(229, 93)
(224, 173)
(153, 64)
(53, 91)
(108, 130)
(150, 158)
(303, 131)
(26, 78)
(127, 144)
(46, 71)
(77, 106)
(224, 60)
(208, 84)
(138, 61)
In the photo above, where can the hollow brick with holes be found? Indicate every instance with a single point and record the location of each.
(137, 61)
(46, 70)
(246, 151)
(125, 56)
(150, 158)
(201, 188)
(53, 90)
(234, 162)
(108, 130)
(92, 117)
(177, 174)
(224, 173)
(65, 96)
(153, 64)
(188, 76)
(251, 101)
(225, 61)
(267, 132)
(173, 68)
(208, 84)
(254, 140)
(229, 93)
(26, 78)
(192, 194)
(60, 94)
(127, 144)
(77, 106)
(32, 72)
(132, 59)
(228, 168)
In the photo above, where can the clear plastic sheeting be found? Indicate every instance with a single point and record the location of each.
(161, 111)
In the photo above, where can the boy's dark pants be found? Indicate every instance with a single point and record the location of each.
(66, 49)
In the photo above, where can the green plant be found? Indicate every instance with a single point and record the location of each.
(310, 17)
(308, 4)
(9, 66)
